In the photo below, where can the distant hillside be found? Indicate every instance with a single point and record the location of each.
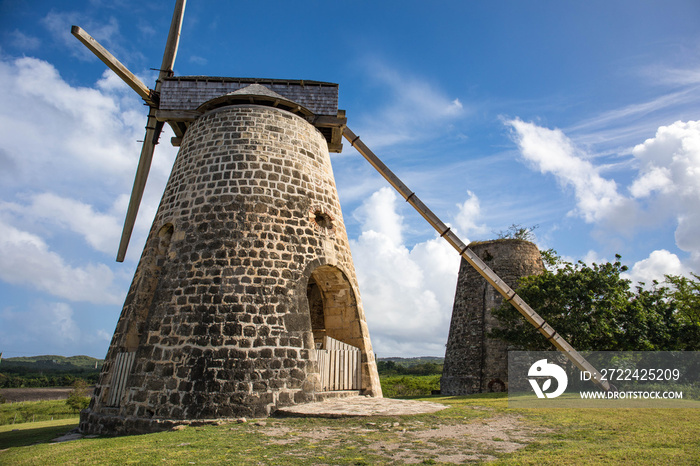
(48, 371)
(51, 363)
(407, 362)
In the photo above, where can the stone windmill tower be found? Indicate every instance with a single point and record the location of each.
(245, 298)
(475, 362)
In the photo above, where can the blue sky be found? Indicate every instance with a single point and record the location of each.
(579, 117)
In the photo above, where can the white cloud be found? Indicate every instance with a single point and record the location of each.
(669, 178)
(55, 132)
(665, 186)
(467, 216)
(655, 179)
(591, 257)
(101, 231)
(25, 259)
(654, 267)
(550, 151)
(407, 293)
(79, 147)
(378, 214)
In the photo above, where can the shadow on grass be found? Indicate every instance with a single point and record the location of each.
(24, 435)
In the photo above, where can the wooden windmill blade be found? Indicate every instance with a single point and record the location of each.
(151, 97)
(153, 129)
(113, 64)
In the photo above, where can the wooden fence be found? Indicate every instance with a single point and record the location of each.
(121, 373)
(339, 364)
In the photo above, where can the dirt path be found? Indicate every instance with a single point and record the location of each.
(415, 442)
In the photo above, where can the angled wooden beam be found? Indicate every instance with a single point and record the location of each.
(475, 261)
(327, 121)
(115, 65)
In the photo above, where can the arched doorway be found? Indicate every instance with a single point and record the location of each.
(333, 306)
(336, 328)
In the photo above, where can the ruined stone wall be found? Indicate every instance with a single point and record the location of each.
(217, 318)
(475, 363)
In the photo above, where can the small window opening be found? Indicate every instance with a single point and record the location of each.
(321, 220)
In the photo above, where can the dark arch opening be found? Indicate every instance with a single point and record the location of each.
(318, 318)
(333, 307)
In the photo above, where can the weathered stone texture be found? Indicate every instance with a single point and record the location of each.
(218, 312)
(475, 363)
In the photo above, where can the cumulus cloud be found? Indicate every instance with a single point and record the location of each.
(467, 216)
(378, 214)
(25, 259)
(665, 186)
(655, 267)
(550, 151)
(669, 179)
(407, 293)
(101, 231)
(52, 130)
(79, 147)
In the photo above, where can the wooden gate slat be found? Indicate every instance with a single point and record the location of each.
(339, 365)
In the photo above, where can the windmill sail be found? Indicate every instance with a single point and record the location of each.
(153, 129)
(151, 97)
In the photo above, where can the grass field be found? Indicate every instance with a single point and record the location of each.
(474, 429)
(33, 411)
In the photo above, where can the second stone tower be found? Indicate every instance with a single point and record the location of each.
(475, 362)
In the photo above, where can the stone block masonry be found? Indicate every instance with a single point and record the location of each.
(247, 240)
(475, 363)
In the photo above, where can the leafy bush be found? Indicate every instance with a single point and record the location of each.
(388, 367)
(78, 398)
(409, 386)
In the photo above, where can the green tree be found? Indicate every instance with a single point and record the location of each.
(78, 398)
(685, 293)
(595, 309)
(583, 303)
